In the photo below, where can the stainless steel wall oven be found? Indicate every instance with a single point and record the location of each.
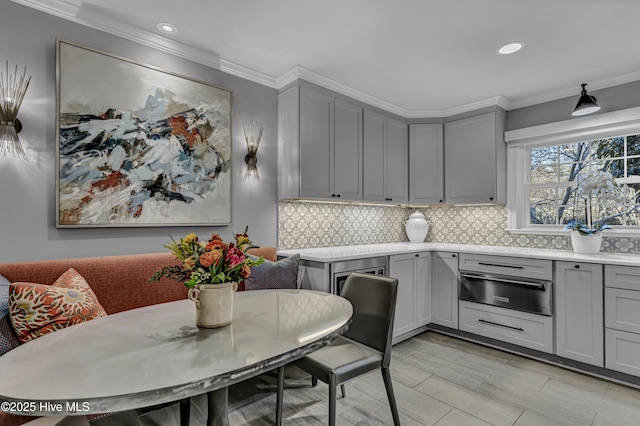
(521, 294)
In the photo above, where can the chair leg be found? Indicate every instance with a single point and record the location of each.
(280, 396)
(332, 400)
(344, 393)
(185, 408)
(386, 375)
(314, 382)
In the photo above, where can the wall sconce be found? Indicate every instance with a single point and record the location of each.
(12, 92)
(252, 134)
(586, 104)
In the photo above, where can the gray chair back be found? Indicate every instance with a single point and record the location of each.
(374, 305)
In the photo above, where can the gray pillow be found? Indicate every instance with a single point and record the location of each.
(8, 339)
(274, 275)
(4, 296)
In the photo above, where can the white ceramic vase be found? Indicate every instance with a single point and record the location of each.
(416, 227)
(214, 304)
(586, 244)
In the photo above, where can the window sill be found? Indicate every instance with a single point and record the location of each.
(630, 232)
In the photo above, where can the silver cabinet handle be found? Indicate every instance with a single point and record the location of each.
(500, 266)
(500, 325)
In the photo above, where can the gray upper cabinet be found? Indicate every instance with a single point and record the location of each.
(316, 144)
(320, 151)
(426, 163)
(348, 158)
(385, 159)
(475, 159)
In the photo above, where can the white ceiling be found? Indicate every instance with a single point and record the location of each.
(417, 58)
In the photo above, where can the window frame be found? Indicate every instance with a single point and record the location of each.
(520, 141)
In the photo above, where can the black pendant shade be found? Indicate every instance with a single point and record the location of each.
(586, 104)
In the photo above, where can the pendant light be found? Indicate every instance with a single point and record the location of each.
(586, 104)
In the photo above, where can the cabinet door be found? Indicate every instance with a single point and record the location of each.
(401, 267)
(396, 166)
(444, 289)
(348, 151)
(579, 312)
(375, 130)
(426, 163)
(422, 266)
(470, 160)
(316, 144)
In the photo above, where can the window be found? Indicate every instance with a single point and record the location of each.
(554, 171)
(545, 163)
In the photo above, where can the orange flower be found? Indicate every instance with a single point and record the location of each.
(209, 258)
(216, 245)
(246, 271)
(216, 237)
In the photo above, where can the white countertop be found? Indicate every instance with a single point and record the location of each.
(337, 254)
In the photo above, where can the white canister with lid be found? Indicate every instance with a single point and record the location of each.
(416, 227)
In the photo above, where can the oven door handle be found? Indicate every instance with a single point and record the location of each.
(504, 280)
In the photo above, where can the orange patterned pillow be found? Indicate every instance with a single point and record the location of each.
(38, 309)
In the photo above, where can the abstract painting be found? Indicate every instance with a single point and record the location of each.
(138, 146)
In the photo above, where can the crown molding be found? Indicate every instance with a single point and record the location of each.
(566, 93)
(303, 73)
(93, 18)
(90, 17)
(248, 74)
(300, 72)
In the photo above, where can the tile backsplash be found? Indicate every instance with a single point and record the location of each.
(310, 225)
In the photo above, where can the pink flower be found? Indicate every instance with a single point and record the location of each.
(233, 257)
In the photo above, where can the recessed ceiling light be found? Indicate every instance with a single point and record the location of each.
(512, 47)
(167, 28)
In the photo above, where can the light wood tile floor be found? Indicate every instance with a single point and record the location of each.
(438, 380)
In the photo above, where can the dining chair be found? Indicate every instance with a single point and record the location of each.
(364, 347)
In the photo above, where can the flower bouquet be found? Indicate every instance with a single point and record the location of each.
(209, 261)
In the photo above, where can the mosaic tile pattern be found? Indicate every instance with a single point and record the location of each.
(310, 225)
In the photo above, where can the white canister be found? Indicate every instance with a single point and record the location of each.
(416, 227)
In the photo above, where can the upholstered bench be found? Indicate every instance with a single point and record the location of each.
(119, 282)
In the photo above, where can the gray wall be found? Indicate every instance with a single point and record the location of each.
(27, 189)
(610, 99)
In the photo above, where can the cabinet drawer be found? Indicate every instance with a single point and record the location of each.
(622, 277)
(622, 351)
(520, 328)
(622, 309)
(516, 266)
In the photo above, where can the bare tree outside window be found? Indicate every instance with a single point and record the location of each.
(554, 174)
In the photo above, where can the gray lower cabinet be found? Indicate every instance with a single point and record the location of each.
(579, 312)
(413, 303)
(320, 151)
(622, 319)
(475, 159)
(508, 325)
(444, 289)
(385, 159)
(426, 163)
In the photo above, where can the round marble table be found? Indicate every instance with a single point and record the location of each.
(157, 354)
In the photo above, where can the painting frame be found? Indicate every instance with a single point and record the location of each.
(138, 146)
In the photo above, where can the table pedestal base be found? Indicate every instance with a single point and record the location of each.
(217, 404)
